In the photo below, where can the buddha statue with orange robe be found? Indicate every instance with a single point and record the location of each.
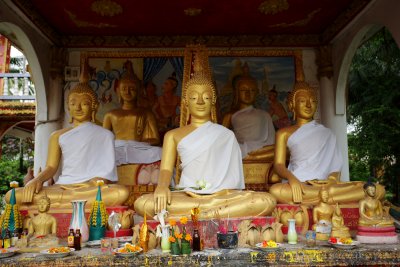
(315, 159)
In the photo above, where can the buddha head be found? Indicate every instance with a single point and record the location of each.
(324, 195)
(128, 85)
(302, 101)
(272, 95)
(43, 204)
(170, 84)
(245, 89)
(199, 95)
(82, 103)
(370, 189)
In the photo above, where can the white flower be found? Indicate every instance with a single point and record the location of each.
(202, 184)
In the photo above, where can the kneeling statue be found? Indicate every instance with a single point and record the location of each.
(86, 154)
(210, 156)
(315, 159)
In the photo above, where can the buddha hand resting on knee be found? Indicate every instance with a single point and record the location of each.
(315, 159)
(85, 152)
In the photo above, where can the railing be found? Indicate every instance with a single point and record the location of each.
(17, 86)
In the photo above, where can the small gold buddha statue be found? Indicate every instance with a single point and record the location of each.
(86, 153)
(42, 228)
(339, 230)
(371, 210)
(322, 216)
(315, 159)
(210, 160)
(135, 130)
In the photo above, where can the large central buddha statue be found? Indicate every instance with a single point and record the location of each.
(209, 156)
(135, 128)
(85, 152)
(253, 127)
(315, 159)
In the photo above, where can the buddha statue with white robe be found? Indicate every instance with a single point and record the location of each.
(85, 153)
(211, 162)
(315, 159)
(253, 127)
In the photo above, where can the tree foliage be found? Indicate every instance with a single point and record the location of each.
(374, 111)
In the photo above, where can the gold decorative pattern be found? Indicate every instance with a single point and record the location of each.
(271, 7)
(106, 8)
(297, 23)
(192, 12)
(180, 41)
(85, 24)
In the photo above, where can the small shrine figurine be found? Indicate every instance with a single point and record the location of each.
(375, 225)
(42, 228)
(322, 216)
(339, 230)
(371, 210)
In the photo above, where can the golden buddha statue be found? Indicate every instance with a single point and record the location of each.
(210, 158)
(315, 160)
(253, 127)
(135, 129)
(322, 216)
(371, 210)
(85, 152)
(42, 224)
(339, 230)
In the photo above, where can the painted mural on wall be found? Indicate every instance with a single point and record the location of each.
(275, 78)
(160, 86)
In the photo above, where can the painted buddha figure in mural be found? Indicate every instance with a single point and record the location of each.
(211, 162)
(371, 211)
(85, 152)
(167, 104)
(315, 159)
(253, 127)
(135, 128)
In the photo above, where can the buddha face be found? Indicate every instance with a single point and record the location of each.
(324, 195)
(247, 92)
(169, 85)
(80, 107)
(128, 90)
(199, 98)
(305, 104)
(43, 205)
(370, 190)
